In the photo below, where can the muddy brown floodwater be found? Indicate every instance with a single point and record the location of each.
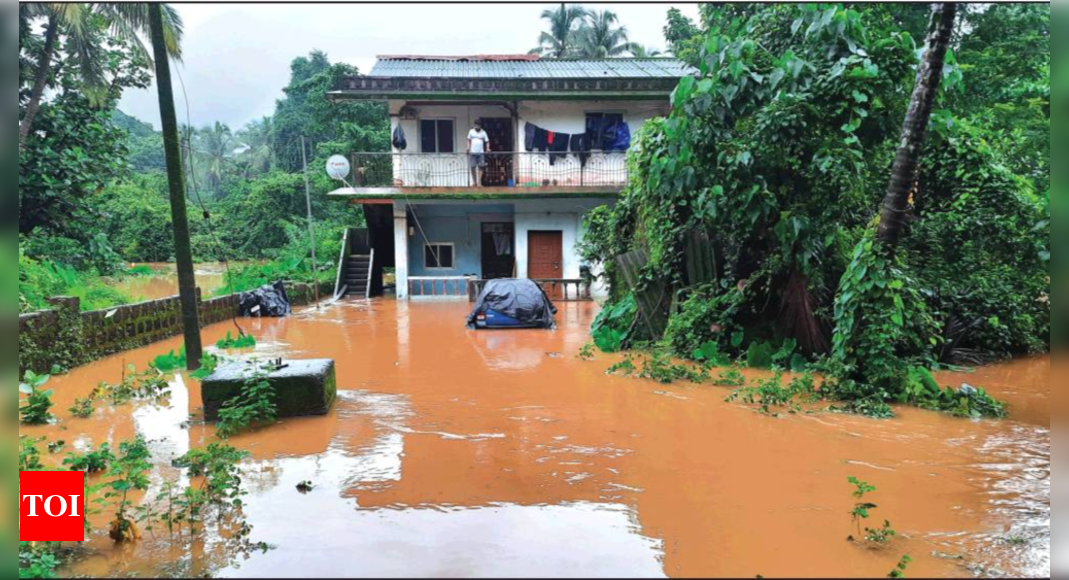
(163, 283)
(481, 454)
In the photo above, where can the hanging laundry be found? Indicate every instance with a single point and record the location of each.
(621, 140)
(552, 136)
(541, 140)
(529, 132)
(399, 140)
(581, 147)
(595, 132)
(559, 147)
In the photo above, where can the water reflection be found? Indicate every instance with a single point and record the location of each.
(329, 538)
(455, 453)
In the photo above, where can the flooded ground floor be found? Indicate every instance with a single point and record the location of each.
(453, 453)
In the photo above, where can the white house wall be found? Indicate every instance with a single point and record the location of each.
(454, 222)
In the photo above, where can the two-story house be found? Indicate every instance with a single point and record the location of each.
(559, 131)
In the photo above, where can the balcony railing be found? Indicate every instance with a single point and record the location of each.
(596, 169)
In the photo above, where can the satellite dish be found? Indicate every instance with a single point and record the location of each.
(338, 168)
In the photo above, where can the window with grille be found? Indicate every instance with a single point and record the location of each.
(437, 136)
(439, 256)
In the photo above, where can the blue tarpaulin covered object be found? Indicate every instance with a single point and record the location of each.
(513, 303)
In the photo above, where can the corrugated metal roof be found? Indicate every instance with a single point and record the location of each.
(476, 67)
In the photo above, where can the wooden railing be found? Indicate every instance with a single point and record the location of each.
(558, 289)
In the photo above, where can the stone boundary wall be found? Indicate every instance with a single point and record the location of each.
(67, 337)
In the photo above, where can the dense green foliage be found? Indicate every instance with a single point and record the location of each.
(93, 194)
(779, 153)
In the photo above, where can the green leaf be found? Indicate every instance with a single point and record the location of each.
(25, 389)
(737, 338)
(777, 77)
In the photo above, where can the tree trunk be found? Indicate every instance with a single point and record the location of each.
(907, 162)
(40, 82)
(187, 284)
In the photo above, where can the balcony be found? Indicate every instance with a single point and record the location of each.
(506, 175)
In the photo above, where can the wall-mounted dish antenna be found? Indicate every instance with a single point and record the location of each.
(338, 168)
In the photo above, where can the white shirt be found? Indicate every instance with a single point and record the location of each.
(478, 140)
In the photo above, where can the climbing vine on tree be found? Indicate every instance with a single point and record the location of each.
(778, 154)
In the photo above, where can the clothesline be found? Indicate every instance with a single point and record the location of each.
(601, 134)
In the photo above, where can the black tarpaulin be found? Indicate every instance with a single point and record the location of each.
(270, 300)
(522, 300)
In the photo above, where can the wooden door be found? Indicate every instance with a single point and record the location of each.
(499, 161)
(545, 259)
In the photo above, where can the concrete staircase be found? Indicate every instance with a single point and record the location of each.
(357, 275)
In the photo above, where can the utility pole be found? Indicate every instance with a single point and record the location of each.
(187, 283)
(311, 223)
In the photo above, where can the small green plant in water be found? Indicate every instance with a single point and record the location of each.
(37, 560)
(881, 535)
(29, 455)
(770, 394)
(625, 367)
(243, 341)
(170, 362)
(91, 462)
(208, 364)
(148, 385)
(903, 566)
(254, 406)
(863, 510)
(730, 378)
(129, 473)
(83, 408)
(38, 403)
(587, 352)
(56, 446)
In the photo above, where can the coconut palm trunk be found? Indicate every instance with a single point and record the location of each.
(44, 67)
(187, 285)
(907, 162)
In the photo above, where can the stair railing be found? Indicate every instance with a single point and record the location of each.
(370, 270)
(342, 262)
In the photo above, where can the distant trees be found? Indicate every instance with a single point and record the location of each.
(602, 37)
(308, 111)
(87, 34)
(576, 32)
(562, 39)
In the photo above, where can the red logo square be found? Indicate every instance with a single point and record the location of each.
(51, 506)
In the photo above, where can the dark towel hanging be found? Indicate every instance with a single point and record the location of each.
(399, 140)
(559, 147)
(529, 132)
(541, 141)
(581, 147)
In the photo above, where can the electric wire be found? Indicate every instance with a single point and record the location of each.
(200, 200)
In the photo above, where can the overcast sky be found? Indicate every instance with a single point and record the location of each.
(236, 56)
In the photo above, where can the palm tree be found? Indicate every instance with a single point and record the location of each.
(602, 38)
(915, 129)
(215, 145)
(562, 39)
(640, 51)
(77, 24)
(255, 138)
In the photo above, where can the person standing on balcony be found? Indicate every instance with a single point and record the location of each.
(478, 147)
